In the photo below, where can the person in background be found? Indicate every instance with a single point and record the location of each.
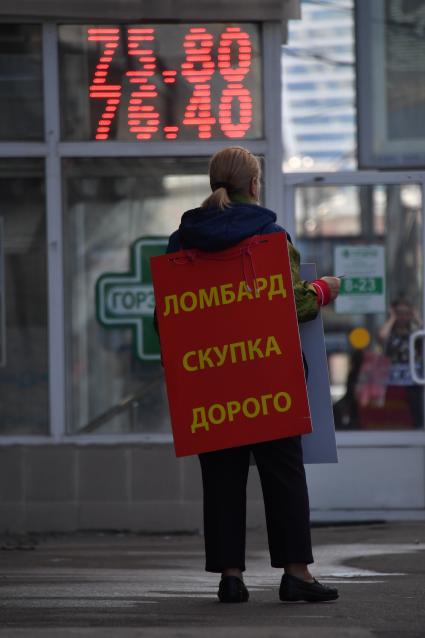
(229, 215)
(394, 336)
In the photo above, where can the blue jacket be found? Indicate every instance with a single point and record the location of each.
(212, 229)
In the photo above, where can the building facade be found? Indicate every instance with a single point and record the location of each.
(108, 122)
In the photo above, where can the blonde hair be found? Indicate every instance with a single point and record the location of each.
(231, 172)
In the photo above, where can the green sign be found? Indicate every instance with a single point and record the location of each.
(126, 300)
(361, 285)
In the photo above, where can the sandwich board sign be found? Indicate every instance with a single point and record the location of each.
(320, 445)
(230, 345)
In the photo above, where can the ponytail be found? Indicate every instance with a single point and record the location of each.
(219, 198)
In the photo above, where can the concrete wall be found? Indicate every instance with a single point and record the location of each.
(145, 488)
(68, 487)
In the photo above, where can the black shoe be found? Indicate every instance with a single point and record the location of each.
(293, 589)
(232, 590)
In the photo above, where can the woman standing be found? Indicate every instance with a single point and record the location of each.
(229, 215)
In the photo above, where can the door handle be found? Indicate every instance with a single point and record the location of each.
(418, 334)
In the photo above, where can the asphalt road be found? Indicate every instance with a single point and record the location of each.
(127, 585)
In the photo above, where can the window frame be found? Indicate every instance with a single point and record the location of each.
(53, 150)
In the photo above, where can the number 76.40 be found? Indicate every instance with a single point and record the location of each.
(233, 62)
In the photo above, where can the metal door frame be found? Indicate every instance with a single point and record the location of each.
(361, 438)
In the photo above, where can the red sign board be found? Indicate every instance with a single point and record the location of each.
(230, 345)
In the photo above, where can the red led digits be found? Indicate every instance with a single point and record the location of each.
(169, 76)
(198, 44)
(170, 132)
(234, 76)
(99, 87)
(234, 60)
(143, 119)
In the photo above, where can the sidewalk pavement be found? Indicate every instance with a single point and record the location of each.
(129, 586)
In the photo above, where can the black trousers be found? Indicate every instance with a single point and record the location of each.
(282, 475)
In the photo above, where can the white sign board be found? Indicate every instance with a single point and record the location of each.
(363, 286)
(320, 445)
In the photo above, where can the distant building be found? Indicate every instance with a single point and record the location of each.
(319, 124)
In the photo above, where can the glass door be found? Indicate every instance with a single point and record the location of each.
(367, 227)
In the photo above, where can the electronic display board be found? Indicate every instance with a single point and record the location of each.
(161, 82)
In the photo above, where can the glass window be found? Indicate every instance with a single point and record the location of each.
(297, 69)
(323, 119)
(160, 82)
(320, 137)
(23, 299)
(391, 80)
(327, 14)
(21, 91)
(109, 204)
(367, 334)
(301, 86)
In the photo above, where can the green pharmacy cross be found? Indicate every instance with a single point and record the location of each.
(126, 300)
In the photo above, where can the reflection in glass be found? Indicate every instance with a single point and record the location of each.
(390, 71)
(21, 98)
(23, 299)
(318, 89)
(109, 204)
(327, 211)
(370, 384)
